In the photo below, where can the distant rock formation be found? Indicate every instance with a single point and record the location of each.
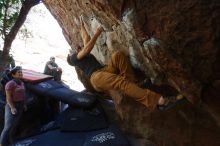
(174, 43)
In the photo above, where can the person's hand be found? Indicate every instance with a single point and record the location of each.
(161, 101)
(14, 111)
(59, 69)
(99, 30)
(25, 107)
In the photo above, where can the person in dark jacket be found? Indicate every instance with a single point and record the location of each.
(6, 78)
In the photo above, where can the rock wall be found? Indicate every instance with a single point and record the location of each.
(187, 36)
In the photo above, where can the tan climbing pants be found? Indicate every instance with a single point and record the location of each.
(118, 75)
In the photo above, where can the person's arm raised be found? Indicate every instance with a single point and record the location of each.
(89, 46)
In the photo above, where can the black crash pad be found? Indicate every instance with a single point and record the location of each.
(53, 89)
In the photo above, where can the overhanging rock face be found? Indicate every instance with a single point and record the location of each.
(187, 38)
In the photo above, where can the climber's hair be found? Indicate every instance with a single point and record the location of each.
(15, 69)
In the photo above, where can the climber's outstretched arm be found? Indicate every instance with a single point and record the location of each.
(89, 46)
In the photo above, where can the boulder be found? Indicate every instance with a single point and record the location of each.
(173, 43)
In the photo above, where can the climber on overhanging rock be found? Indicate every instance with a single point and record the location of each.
(117, 75)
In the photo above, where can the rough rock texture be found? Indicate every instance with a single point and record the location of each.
(188, 35)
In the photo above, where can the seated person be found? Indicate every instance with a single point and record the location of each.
(51, 68)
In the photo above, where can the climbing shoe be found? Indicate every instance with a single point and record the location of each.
(171, 102)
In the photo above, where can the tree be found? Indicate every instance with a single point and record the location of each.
(13, 14)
